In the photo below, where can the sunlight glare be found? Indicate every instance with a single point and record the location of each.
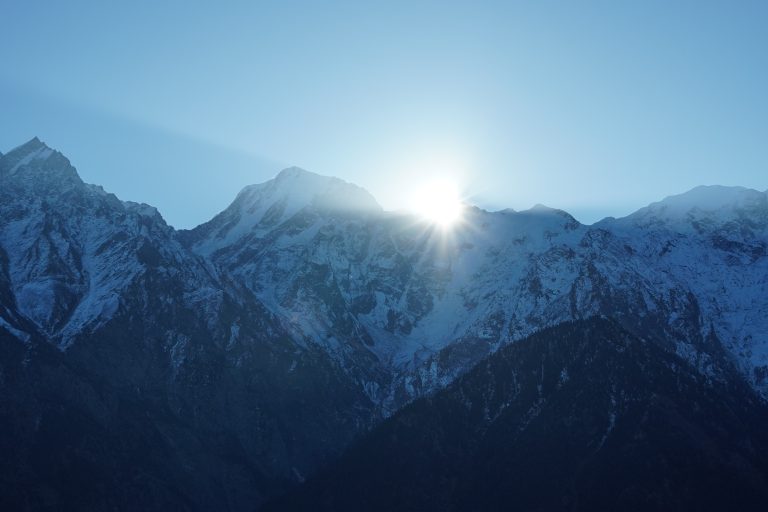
(439, 202)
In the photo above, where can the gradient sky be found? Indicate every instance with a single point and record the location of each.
(597, 108)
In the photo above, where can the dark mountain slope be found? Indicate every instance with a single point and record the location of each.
(582, 416)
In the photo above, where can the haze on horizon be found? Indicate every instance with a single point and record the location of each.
(596, 108)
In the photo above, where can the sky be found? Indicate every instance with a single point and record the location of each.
(594, 107)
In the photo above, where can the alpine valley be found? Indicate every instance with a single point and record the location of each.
(307, 350)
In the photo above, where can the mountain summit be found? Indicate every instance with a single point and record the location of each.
(294, 191)
(34, 161)
(706, 205)
(299, 188)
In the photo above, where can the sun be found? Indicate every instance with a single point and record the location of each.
(439, 202)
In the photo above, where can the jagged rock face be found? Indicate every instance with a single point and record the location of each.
(580, 416)
(72, 249)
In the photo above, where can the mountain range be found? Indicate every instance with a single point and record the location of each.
(221, 367)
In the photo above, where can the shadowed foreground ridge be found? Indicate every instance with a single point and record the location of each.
(581, 416)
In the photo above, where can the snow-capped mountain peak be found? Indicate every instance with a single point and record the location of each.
(547, 215)
(25, 154)
(258, 209)
(35, 160)
(297, 189)
(714, 203)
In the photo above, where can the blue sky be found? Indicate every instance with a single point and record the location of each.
(594, 107)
